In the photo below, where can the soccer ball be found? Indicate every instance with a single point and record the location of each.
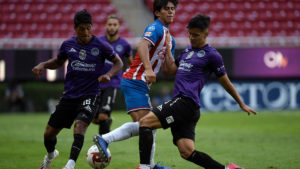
(94, 160)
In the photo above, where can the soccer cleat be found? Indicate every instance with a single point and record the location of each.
(46, 163)
(142, 167)
(160, 167)
(67, 167)
(102, 146)
(233, 166)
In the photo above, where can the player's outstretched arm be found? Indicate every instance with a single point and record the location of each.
(53, 63)
(228, 86)
(118, 64)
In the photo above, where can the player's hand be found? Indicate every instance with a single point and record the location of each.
(248, 109)
(38, 70)
(150, 76)
(104, 78)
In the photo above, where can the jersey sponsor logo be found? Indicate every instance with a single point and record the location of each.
(72, 50)
(95, 51)
(189, 56)
(81, 66)
(201, 53)
(119, 48)
(82, 54)
(185, 66)
(148, 34)
(170, 119)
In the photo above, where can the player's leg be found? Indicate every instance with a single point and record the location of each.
(85, 114)
(108, 96)
(50, 142)
(146, 138)
(58, 120)
(188, 152)
(138, 104)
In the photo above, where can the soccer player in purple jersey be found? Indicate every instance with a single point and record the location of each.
(193, 69)
(109, 90)
(86, 55)
(136, 81)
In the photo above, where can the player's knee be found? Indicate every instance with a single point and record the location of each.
(80, 127)
(144, 122)
(102, 116)
(185, 154)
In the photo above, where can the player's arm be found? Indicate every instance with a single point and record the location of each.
(228, 86)
(143, 51)
(53, 63)
(118, 64)
(169, 67)
(129, 60)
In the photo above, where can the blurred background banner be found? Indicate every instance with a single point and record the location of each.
(266, 63)
(260, 95)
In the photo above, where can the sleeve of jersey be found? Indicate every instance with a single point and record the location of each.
(128, 51)
(108, 51)
(62, 54)
(217, 64)
(152, 34)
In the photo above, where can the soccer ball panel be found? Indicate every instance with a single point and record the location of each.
(94, 160)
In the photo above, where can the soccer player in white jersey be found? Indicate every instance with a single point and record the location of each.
(142, 72)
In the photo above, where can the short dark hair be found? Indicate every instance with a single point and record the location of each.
(113, 16)
(158, 4)
(199, 21)
(82, 16)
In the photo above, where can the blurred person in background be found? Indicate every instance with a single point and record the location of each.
(162, 96)
(14, 96)
(137, 79)
(108, 91)
(193, 69)
(86, 56)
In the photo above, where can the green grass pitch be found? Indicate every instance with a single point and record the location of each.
(265, 141)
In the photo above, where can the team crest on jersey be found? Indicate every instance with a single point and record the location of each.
(189, 56)
(82, 54)
(95, 51)
(119, 48)
(148, 34)
(201, 53)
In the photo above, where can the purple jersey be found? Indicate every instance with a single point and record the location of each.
(85, 64)
(123, 48)
(194, 69)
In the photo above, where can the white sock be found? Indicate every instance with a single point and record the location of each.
(125, 131)
(152, 164)
(144, 166)
(50, 155)
(71, 163)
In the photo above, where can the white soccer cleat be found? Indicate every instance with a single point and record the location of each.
(47, 161)
(67, 167)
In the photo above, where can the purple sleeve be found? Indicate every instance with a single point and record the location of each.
(128, 51)
(217, 65)
(62, 54)
(108, 51)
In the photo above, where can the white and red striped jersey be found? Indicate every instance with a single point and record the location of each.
(156, 34)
